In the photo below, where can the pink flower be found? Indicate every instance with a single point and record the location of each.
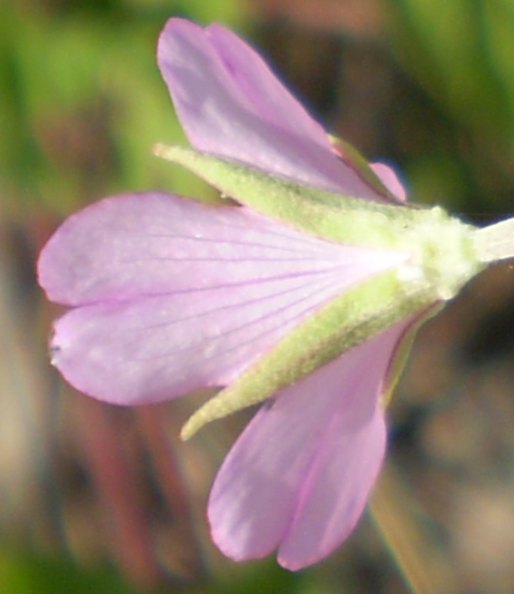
(169, 295)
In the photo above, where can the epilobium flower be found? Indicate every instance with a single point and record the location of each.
(300, 289)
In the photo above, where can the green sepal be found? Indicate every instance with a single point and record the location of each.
(344, 323)
(332, 216)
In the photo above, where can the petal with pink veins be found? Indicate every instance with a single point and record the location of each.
(172, 295)
(299, 476)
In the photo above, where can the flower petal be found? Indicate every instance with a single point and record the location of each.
(390, 180)
(299, 476)
(175, 295)
(231, 105)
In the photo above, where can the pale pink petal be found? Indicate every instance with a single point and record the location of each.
(336, 491)
(176, 295)
(231, 104)
(390, 180)
(298, 478)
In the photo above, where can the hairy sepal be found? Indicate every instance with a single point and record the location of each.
(346, 322)
(329, 215)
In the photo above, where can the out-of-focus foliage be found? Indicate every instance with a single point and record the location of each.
(28, 574)
(425, 84)
(460, 54)
(83, 101)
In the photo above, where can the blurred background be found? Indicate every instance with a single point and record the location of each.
(96, 499)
